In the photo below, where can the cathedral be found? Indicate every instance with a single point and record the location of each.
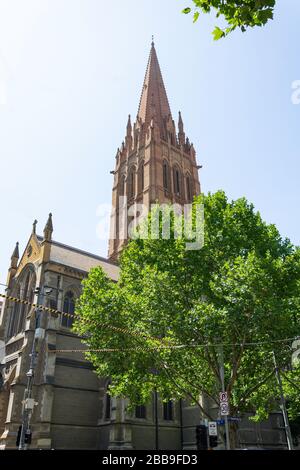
(72, 409)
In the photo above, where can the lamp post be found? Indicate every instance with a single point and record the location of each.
(283, 406)
(156, 419)
(28, 402)
(221, 366)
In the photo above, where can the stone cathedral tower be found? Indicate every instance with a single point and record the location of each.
(73, 408)
(155, 162)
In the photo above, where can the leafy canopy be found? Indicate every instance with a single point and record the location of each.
(171, 309)
(237, 13)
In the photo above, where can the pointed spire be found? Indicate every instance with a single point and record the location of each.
(181, 134)
(34, 226)
(180, 123)
(48, 230)
(128, 139)
(16, 252)
(154, 101)
(14, 261)
(129, 126)
(15, 257)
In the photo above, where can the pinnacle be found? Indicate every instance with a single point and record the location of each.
(16, 251)
(154, 101)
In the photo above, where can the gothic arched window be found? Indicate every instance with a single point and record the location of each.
(188, 188)
(141, 178)
(69, 307)
(25, 292)
(171, 137)
(168, 411)
(140, 412)
(166, 175)
(24, 308)
(15, 315)
(131, 183)
(176, 180)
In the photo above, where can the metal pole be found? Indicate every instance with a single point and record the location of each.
(26, 413)
(181, 423)
(156, 420)
(221, 364)
(283, 407)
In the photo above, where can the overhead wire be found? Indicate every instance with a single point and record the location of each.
(161, 346)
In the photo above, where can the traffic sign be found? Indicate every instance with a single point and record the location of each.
(221, 421)
(224, 406)
(224, 409)
(223, 397)
(212, 428)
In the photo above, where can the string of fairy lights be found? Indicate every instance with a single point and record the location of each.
(162, 343)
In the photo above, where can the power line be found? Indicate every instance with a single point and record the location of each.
(179, 346)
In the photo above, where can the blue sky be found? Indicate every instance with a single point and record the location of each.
(71, 73)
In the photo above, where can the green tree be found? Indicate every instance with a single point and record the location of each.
(171, 309)
(241, 14)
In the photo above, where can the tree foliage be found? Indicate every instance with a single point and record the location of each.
(237, 13)
(171, 309)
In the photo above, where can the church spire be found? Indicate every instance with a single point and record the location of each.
(48, 229)
(15, 256)
(129, 126)
(128, 139)
(34, 226)
(154, 101)
(13, 265)
(181, 133)
(155, 164)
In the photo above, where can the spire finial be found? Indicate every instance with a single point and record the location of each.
(34, 226)
(181, 134)
(15, 257)
(16, 251)
(180, 122)
(152, 43)
(48, 229)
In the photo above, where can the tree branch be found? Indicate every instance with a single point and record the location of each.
(256, 387)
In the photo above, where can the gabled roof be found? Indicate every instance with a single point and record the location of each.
(31, 254)
(81, 260)
(67, 256)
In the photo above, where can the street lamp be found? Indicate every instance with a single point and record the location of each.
(28, 402)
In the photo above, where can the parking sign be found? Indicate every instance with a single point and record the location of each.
(212, 428)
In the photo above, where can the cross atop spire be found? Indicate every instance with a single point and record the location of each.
(154, 101)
